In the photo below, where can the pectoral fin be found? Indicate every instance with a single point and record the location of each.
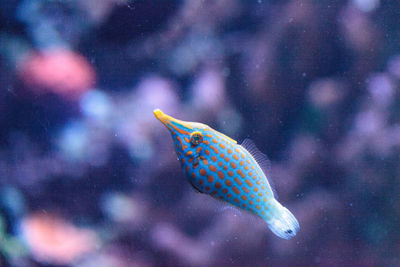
(195, 187)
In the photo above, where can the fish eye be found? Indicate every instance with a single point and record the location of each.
(196, 138)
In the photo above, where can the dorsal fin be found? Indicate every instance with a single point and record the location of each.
(261, 159)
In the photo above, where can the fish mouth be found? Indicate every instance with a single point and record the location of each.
(161, 116)
(168, 120)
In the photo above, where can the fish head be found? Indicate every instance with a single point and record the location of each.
(187, 136)
(190, 137)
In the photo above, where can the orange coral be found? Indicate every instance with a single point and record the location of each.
(59, 71)
(56, 241)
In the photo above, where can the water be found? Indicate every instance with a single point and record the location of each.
(88, 176)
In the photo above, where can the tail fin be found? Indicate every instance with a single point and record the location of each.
(283, 223)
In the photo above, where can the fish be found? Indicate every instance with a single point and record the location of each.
(217, 165)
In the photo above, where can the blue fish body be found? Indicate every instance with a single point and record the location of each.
(216, 165)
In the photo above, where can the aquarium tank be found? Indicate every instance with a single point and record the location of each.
(199, 133)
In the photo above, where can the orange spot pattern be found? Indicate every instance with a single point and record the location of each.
(238, 181)
(236, 190)
(241, 173)
(248, 182)
(180, 141)
(203, 172)
(239, 191)
(215, 150)
(179, 130)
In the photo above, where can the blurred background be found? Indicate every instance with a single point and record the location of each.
(88, 176)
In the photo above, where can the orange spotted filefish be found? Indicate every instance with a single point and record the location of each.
(216, 165)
